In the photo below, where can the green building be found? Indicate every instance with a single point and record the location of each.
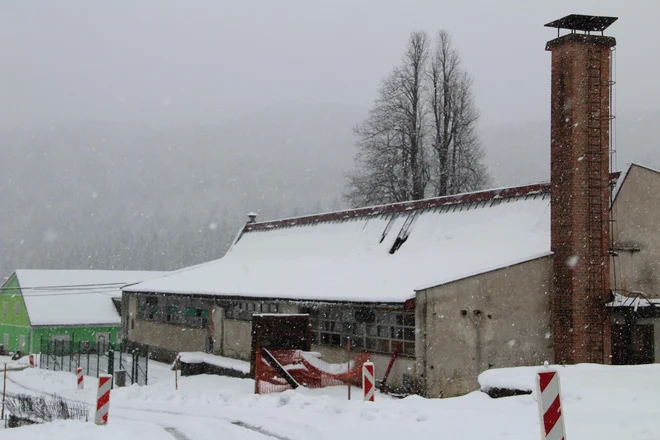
(63, 305)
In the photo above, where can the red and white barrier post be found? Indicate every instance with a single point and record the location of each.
(368, 381)
(32, 364)
(80, 378)
(548, 393)
(103, 399)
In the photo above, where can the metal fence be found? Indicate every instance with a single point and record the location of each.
(103, 358)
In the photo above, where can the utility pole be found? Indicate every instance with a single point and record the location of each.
(4, 392)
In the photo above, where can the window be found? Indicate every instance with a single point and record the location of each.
(5, 341)
(368, 329)
(243, 310)
(17, 308)
(21, 342)
(4, 308)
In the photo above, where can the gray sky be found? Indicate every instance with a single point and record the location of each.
(199, 61)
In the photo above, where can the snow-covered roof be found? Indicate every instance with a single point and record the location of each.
(75, 297)
(377, 254)
(636, 300)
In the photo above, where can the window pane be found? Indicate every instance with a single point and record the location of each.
(397, 332)
(409, 319)
(409, 348)
(357, 342)
(409, 334)
(380, 345)
(383, 331)
(397, 345)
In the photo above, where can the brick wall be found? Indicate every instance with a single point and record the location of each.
(580, 197)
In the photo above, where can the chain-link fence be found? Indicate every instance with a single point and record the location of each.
(102, 358)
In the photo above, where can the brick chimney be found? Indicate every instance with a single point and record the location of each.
(580, 214)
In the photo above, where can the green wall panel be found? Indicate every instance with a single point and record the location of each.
(12, 335)
(11, 300)
(74, 335)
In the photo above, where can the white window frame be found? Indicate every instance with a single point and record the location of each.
(17, 308)
(5, 307)
(5, 341)
(21, 342)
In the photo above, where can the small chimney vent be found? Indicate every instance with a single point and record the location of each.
(252, 217)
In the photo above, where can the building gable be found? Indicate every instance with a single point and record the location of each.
(12, 306)
(636, 233)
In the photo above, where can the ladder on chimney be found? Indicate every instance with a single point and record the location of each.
(597, 193)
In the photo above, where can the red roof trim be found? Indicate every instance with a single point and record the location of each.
(480, 196)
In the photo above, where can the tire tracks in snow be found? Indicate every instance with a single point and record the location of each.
(178, 435)
(175, 432)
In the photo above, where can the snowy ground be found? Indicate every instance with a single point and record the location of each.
(599, 402)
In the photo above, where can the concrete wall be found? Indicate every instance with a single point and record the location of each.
(217, 317)
(496, 319)
(169, 336)
(237, 339)
(636, 212)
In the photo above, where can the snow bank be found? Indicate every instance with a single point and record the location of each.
(76, 430)
(316, 362)
(198, 357)
(600, 402)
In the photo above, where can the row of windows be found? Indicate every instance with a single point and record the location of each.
(379, 331)
(368, 329)
(244, 310)
(17, 308)
(173, 310)
(195, 313)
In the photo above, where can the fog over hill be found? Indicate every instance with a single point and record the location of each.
(131, 196)
(520, 153)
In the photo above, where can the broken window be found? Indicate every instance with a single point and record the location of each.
(370, 330)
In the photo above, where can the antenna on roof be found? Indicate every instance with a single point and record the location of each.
(252, 217)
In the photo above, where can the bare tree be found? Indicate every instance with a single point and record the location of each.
(391, 163)
(458, 157)
(419, 139)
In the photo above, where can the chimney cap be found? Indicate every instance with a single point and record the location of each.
(252, 217)
(586, 23)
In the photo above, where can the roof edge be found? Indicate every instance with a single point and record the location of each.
(488, 270)
(478, 196)
(623, 175)
(245, 297)
(102, 324)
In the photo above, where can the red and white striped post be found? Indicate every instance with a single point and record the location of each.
(368, 381)
(103, 399)
(32, 365)
(80, 378)
(549, 400)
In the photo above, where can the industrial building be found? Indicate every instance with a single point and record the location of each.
(565, 271)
